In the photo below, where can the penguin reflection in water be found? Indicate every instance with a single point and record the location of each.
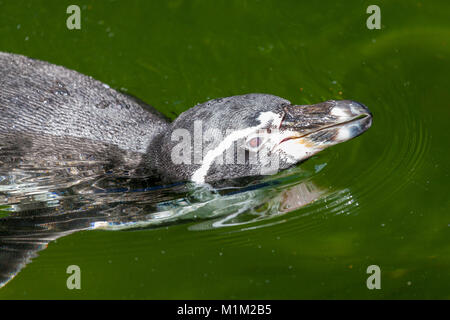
(62, 133)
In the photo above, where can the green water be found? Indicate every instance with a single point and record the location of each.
(174, 54)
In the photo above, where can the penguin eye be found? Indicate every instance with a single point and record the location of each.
(254, 142)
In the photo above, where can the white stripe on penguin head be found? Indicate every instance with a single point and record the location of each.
(265, 118)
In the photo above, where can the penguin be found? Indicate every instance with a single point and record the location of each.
(59, 128)
(54, 117)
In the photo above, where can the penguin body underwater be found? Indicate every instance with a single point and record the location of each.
(51, 116)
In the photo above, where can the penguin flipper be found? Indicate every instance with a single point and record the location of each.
(15, 254)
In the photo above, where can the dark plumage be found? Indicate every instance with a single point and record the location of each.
(54, 117)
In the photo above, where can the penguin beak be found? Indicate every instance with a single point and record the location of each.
(326, 123)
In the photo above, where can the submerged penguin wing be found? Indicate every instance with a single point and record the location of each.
(59, 128)
(15, 253)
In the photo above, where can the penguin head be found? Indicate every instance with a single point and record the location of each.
(255, 135)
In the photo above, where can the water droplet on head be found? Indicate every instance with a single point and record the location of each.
(60, 89)
(102, 104)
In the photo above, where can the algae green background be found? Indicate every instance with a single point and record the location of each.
(174, 54)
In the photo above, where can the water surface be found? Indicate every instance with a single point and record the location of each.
(381, 198)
